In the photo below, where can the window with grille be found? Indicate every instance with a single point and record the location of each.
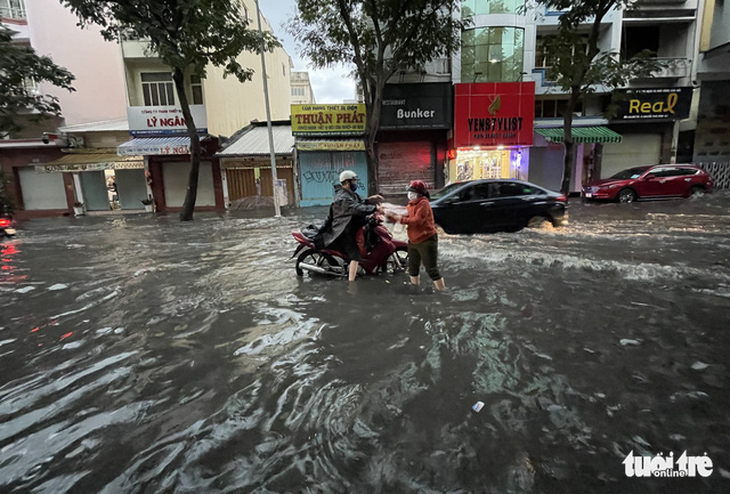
(196, 88)
(158, 89)
(544, 59)
(12, 9)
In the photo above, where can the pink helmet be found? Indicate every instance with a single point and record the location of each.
(418, 186)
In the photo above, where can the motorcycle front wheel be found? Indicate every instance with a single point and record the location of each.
(317, 262)
(397, 262)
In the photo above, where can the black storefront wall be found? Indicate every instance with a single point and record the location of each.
(411, 143)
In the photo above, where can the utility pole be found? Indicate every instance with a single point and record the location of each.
(272, 154)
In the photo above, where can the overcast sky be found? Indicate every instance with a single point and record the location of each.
(330, 86)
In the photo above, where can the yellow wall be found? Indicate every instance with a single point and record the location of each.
(231, 105)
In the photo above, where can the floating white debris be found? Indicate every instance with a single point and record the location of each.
(698, 366)
(57, 286)
(626, 341)
(25, 289)
(477, 407)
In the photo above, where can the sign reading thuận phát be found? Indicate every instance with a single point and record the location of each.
(322, 120)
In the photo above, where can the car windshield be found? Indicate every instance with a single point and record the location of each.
(446, 190)
(630, 173)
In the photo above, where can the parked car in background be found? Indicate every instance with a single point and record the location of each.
(650, 182)
(6, 227)
(483, 206)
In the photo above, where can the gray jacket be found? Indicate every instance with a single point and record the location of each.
(347, 207)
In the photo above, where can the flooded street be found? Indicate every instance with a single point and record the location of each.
(141, 355)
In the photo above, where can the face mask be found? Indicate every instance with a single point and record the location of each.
(412, 195)
(353, 186)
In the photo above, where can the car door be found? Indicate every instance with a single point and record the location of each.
(513, 204)
(688, 178)
(460, 212)
(654, 183)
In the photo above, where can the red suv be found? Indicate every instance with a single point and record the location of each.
(655, 182)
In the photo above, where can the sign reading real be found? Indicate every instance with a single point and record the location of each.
(654, 104)
(328, 119)
(494, 114)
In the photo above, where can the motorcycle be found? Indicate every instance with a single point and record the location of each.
(380, 252)
(6, 227)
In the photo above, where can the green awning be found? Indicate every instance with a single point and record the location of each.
(581, 135)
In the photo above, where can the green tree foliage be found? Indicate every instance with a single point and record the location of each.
(188, 35)
(20, 65)
(380, 37)
(579, 65)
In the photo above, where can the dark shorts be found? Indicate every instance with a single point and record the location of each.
(425, 252)
(345, 244)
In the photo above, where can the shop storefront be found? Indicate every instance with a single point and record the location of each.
(411, 142)
(103, 181)
(160, 138)
(493, 131)
(167, 168)
(648, 121)
(328, 141)
(547, 156)
(246, 166)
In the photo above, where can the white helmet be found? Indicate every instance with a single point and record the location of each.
(347, 175)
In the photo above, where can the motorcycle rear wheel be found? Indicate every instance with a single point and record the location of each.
(318, 259)
(397, 262)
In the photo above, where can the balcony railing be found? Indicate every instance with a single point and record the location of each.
(12, 10)
(674, 68)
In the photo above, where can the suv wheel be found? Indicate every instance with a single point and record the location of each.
(626, 195)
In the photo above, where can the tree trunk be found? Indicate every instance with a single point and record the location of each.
(192, 192)
(568, 141)
(371, 132)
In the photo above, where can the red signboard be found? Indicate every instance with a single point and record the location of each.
(494, 114)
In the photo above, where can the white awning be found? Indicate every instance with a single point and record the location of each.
(146, 146)
(255, 142)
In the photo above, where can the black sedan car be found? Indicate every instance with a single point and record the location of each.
(483, 206)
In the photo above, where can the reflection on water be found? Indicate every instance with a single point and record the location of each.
(144, 355)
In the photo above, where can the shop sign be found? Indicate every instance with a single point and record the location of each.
(326, 145)
(328, 119)
(417, 106)
(164, 120)
(90, 167)
(653, 104)
(494, 114)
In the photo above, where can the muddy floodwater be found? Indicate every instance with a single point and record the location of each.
(142, 355)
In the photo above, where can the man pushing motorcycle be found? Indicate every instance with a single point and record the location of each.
(347, 214)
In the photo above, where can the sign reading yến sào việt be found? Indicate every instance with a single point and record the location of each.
(328, 119)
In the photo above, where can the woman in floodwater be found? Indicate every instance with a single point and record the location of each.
(422, 237)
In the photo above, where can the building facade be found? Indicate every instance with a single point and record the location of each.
(301, 89)
(127, 90)
(505, 43)
(99, 95)
(712, 135)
